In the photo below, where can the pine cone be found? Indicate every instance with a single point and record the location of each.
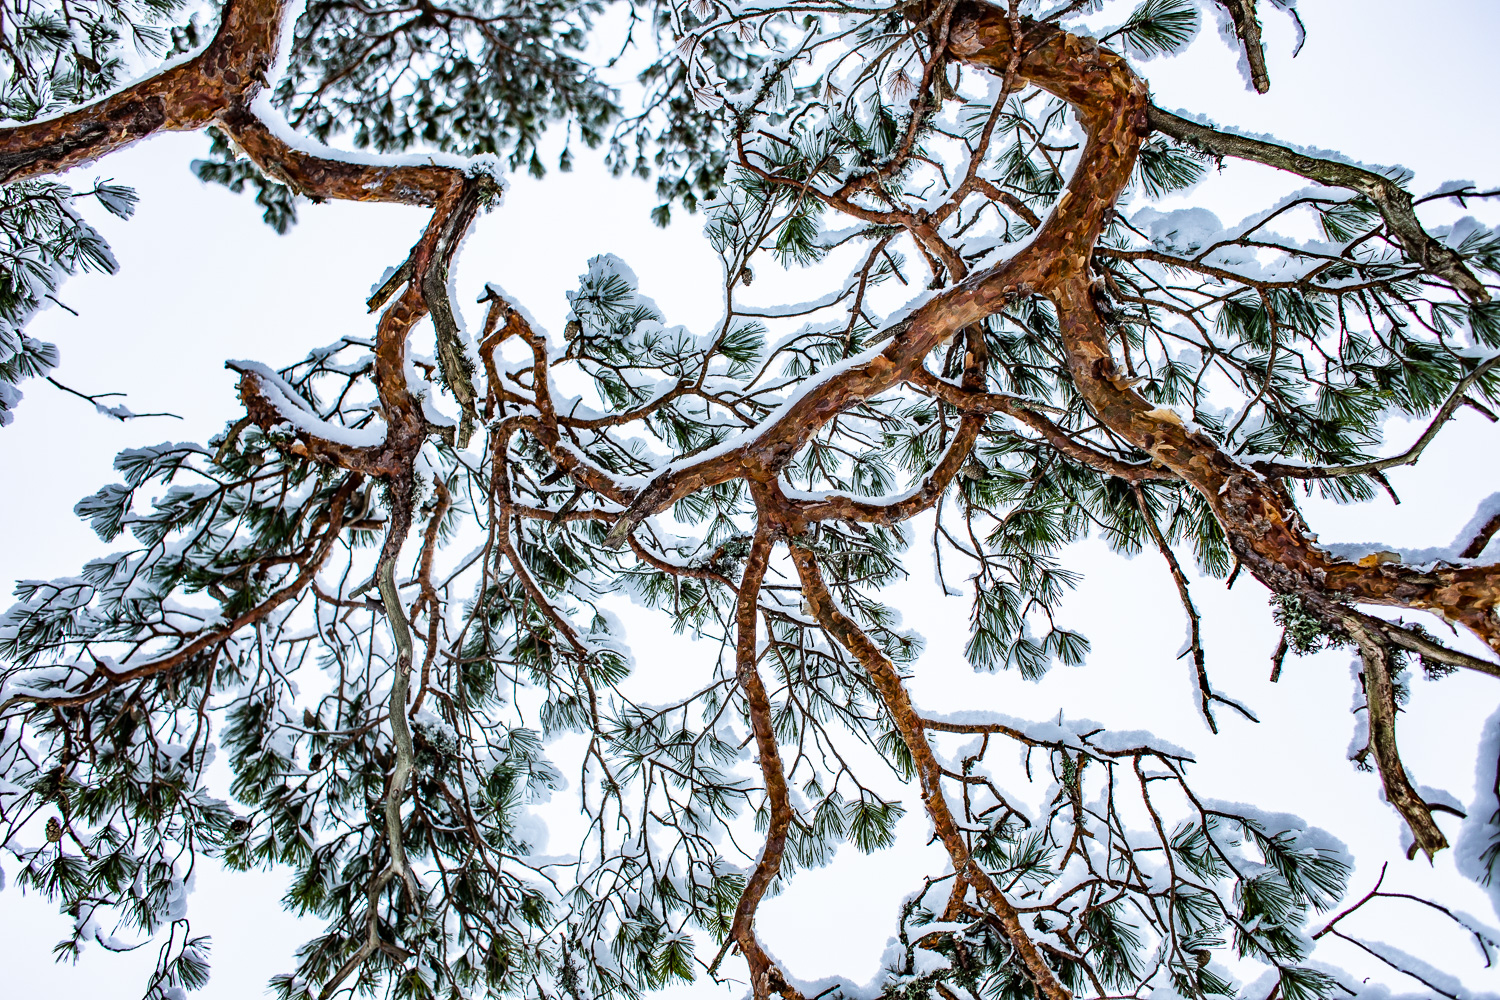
(54, 830)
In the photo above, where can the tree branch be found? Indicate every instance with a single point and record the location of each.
(189, 96)
(1029, 413)
(1408, 457)
(1380, 700)
(1247, 27)
(765, 977)
(898, 703)
(1393, 201)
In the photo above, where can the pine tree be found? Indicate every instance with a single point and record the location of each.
(1063, 370)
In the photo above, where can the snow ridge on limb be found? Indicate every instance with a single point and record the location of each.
(184, 97)
(1380, 706)
(1393, 201)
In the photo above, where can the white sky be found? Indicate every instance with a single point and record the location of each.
(203, 280)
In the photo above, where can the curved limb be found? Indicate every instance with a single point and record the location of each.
(455, 197)
(1263, 528)
(1380, 706)
(765, 977)
(913, 732)
(1408, 457)
(181, 98)
(1111, 103)
(842, 507)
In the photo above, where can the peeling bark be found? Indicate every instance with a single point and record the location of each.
(186, 97)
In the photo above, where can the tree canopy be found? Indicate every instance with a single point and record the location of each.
(381, 592)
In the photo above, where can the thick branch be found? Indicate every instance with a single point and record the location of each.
(1110, 101)
(765, 977)
(1260, 521)
(455, 197)
(1415, 642)
(230, 70)
(331, 177)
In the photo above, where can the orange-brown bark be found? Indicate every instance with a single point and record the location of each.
(1263, 527)
(455, 197)
(929, 772)
(329, 178)
(765, 977)
(191, 95)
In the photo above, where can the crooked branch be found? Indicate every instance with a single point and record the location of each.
(930, 773)
(1380, 701)
(230, 70)
(765, 977)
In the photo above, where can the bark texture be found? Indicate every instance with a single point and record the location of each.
(230, 70)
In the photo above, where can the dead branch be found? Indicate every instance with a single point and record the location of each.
(1380, 701)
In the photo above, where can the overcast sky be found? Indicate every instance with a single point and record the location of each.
(203, 280)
